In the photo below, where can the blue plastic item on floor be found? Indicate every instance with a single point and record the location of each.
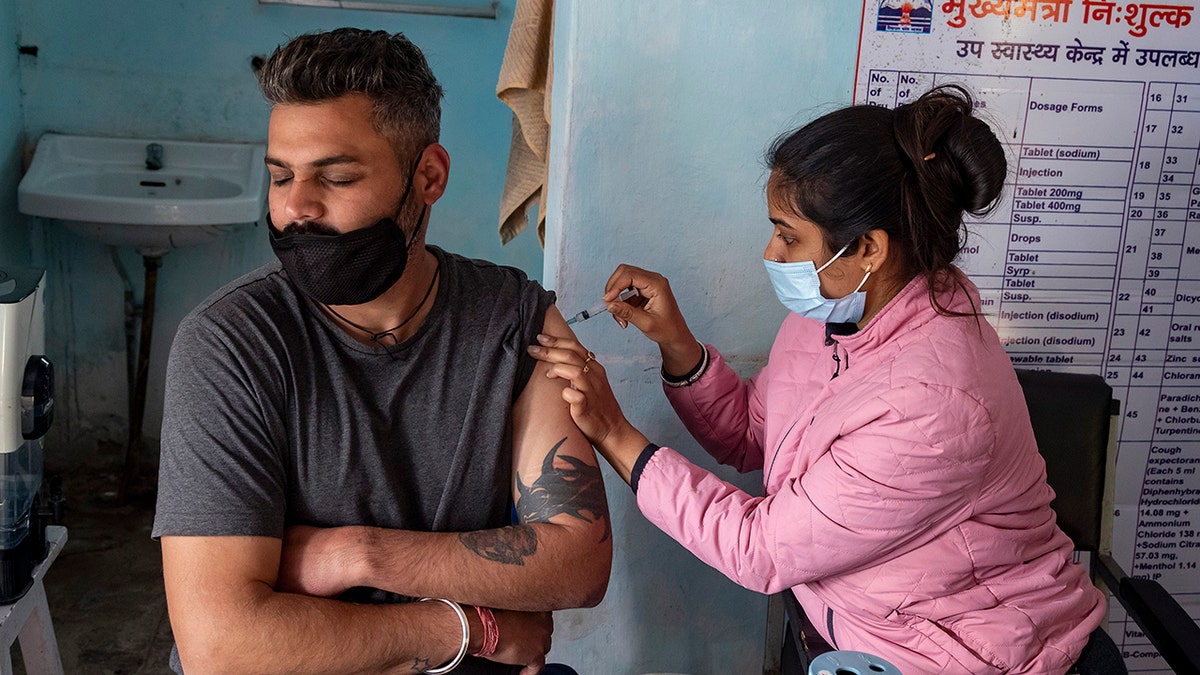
(850, 663)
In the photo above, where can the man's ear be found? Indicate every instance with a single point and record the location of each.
(433, 171)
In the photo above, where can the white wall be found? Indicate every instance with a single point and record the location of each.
(662, 111)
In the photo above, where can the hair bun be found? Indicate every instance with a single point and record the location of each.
(967, 164)
(981, 162)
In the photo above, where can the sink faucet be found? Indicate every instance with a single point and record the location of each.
(154, 156)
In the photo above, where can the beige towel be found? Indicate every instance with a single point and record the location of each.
(524, 85)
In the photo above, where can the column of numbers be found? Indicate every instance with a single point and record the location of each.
(1138, 342)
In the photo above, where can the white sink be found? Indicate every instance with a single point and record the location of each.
(101, 188)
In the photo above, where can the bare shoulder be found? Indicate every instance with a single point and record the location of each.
(556, 476)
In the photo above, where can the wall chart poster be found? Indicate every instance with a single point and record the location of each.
(1091, 263)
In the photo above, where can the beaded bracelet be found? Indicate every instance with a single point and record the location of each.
(466, 637)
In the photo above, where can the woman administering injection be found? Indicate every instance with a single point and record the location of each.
(904, 503)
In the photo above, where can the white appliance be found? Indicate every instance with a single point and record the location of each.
(26, 410)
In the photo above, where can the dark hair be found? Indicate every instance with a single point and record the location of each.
(387, 68)
(911, 172)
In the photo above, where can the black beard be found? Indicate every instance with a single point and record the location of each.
(308, 227)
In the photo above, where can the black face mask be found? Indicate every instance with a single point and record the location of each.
(350, 268)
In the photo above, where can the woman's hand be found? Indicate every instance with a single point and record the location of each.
(657, 316)
(593, 406)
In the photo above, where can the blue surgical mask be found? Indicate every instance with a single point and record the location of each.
(799, 289)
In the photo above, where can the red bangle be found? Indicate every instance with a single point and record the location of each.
(491, 632)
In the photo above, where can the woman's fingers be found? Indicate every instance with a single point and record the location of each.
(567, 359)
(624, 314)
(575, 373)
(566, 371)
(574, 397)
(646, 282)
(562, 350)
(620, 278)
(593, 406)
(656, 314)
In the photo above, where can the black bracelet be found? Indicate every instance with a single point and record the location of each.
(692, 375)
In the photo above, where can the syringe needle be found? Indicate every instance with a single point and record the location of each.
(602, 306)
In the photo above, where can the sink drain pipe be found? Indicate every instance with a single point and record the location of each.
(132, 311)
(137, 376)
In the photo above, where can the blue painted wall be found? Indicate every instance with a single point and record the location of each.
(182, 70)
(14, 237)
(662, 113)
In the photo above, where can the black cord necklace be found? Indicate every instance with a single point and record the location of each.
(377, 338)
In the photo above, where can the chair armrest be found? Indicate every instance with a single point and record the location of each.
(1160, 616)
(1110, 572)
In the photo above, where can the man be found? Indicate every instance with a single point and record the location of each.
(352, 427)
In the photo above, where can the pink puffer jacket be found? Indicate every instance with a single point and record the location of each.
(906, 504)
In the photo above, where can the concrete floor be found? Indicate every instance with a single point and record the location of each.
(105, 589)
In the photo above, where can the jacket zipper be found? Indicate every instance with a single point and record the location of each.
(829, 341)
(837, 360)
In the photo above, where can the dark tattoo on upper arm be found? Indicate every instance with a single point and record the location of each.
(420, 665)
(508, 545)
(576, 490)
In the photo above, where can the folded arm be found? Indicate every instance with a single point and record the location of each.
(557, 556)
(227, 618)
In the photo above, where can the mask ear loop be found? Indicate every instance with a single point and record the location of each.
(835, 257)
(412, 175)
(864, 279)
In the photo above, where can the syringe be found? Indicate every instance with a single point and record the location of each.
(602, 307)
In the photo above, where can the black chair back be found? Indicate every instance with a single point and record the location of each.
(1070, 413)
(1071, 416)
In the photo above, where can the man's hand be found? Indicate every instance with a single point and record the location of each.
(524, 639)
(318, 561)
